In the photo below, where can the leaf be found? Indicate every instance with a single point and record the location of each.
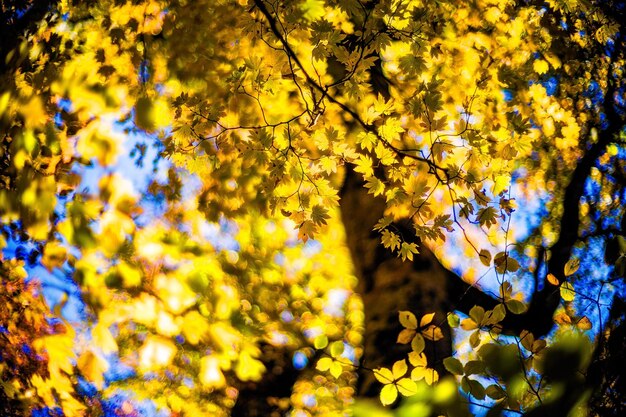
(453, 320)
(390, 240)
(473, 387)
(571, 267)
(249, 368)
(417, 359)
(486, 216)
(375, 186)
(475, 339)
(211, 374)
(453, 365)
(495, 392)
(405, 336)
(485, 257)
(54, 256)
(336, 369)
(93, 367)
(504, 263)
(516, 306)
(468, 324)
(433, 333)
(407, 387)
(407, 250)
(324, 364)
(388, 394)
(418, 344)
(320, 342)
(426, 319)
(383, 375)
(336, 348)
(552, 279)
(399, 369)
(540, 66)
(408, 319)
(562, 318)
(477, 313)
(102, 338)
(584, 323)
(474, 367)
(567, 291)
(319, 214)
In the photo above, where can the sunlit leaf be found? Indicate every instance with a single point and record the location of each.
(567, 291)
(388, 394)
(408, 319)
(571, 267)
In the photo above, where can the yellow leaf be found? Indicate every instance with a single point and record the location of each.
(336, 369)
(571, 267)
(210, 373)
(383, 375)
(399, 369)
(405, 336)
(540, 66)
(249, 368)
(501, 183)
(408, 320)
(433, 333)
(54, 256)
(407, 387)
(320, 341)
(418, 344)
(102, 338)
(417, 359)
(195, 327)
(156, 352)
(426, 319)
(324, 364)
(388, 394)
(567, 291)
(92, 367)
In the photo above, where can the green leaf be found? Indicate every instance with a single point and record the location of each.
(485, 257)
(495, 392)
(504, 263)
(475, 339)
(516, 306)
(474, 367)
(336, 348)
(453, 320)
(473, 387)
(453, 365)
(477, 313)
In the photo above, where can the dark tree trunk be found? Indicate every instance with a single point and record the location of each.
(388, 285)
(606, 374)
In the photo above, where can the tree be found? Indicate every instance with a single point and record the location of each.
(328, 183)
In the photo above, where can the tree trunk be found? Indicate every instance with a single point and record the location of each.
(388, 285)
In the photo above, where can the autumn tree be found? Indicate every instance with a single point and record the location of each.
(273, 207)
